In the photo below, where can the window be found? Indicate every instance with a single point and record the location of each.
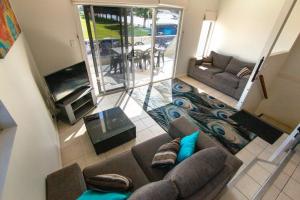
(205, 35)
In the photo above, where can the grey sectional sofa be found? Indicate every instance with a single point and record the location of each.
(68, 183)
(222, 74)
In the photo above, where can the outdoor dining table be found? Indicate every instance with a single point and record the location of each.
(143, 47)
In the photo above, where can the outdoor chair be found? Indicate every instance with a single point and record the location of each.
(147, 57)
(159, 54)
(135, 58)
(116, 63)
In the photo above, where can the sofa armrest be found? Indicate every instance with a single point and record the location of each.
(181, 127)
(193, 62)
(243, 81)
(66, 183)
(242, 84)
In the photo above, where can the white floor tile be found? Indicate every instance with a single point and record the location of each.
(254, 148)
(296, 158)
(292, 189)
(268, 166)
(296, 174)
(71, 152)
(265, 155)
(232, 194)
(156, 130)
(247, 186)
(258, 173)
(271, 194)
(283, 196)
(261, 142)
(281, 180)
(143, 135)
(245, 156)
(289, 168)
(139, 125)
(148, 121)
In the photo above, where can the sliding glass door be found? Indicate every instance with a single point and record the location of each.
(166, 40)
(130, 47)
(141, 45)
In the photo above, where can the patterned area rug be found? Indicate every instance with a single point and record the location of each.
(167, 100)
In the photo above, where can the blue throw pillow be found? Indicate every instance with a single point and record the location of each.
(187, 146)
(94, 195)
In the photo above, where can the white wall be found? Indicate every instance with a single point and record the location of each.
(284, 94)
(290, 32)
(35, 150)
(49, 26)
(274, 63)
(243, 27)
(192, 23)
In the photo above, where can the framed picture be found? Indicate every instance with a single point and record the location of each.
(9, 27)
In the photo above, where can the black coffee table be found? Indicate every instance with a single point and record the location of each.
(109, 128)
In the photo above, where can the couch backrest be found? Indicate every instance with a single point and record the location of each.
(235, 66)
(196, 171)
(219, 60)
(66, 183)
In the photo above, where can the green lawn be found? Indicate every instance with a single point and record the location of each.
(110, 30)
(102, 30)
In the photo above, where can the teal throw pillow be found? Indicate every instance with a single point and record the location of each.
(94, 195)
(187, 146)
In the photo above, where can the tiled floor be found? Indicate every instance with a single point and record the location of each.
(76, 147)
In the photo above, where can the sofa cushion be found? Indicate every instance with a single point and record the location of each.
(211, 190)
(219, 60)
(244, 72)
(123, 164)
(227, 80)
(236, 65)
(144, 154)
(166, 154)
(187, 146)
(95, 195)
(109, 182)
(193, 173)
(162, 190)
(207, 71)
(66, 183)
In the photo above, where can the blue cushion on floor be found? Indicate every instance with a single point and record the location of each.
(94, 195)
(187, 146)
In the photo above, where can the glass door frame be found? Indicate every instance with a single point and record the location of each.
(178, 40)
(101, 88)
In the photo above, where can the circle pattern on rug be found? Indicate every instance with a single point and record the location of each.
(182, 88)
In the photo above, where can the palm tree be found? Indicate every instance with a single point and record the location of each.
(144, 13)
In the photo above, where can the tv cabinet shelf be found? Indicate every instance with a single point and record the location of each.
(78, 104)
(84, 110)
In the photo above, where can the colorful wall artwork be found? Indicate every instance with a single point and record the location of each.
(9, 27)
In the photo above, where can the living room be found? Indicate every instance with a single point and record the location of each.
(157, 101)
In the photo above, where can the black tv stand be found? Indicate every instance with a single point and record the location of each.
(78, 104)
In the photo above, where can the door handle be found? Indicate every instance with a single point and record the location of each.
(258, 68)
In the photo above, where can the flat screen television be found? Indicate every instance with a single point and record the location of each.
(63, 82)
